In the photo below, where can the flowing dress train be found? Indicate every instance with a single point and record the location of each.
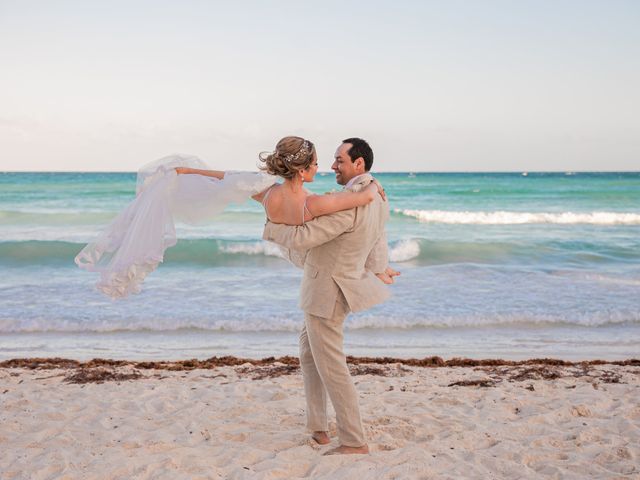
(133, 244)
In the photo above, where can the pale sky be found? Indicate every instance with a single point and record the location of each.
(432, 85)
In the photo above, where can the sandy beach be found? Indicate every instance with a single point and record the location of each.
(232, 418)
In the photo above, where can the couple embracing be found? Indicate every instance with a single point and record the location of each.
(345, 250)
(337, 238)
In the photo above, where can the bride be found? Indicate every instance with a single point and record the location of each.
(182, 188)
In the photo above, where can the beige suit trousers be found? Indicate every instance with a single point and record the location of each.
(325, 370)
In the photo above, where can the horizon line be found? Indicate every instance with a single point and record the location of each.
(372, 172)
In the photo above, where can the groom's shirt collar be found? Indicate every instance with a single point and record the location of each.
(354, 180)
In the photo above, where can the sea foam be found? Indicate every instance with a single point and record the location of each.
(404, 250)
(252, 248)
(289, 321)
(511, 218)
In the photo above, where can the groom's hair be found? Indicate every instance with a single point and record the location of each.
(360, 148)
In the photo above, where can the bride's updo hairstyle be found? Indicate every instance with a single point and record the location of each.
(291, 155)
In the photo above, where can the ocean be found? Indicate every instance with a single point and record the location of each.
(506, 265)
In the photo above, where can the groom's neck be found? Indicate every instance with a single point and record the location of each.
(351, 180)
(347, 180)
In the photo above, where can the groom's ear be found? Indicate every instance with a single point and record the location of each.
(359, 162)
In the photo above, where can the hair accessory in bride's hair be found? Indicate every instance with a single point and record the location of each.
(304, 151)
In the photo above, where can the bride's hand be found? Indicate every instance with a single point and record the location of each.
(379, 189)
(182, 170)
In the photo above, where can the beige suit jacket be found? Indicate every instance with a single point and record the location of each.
(340, 245)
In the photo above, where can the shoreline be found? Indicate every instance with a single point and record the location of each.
(611, 343)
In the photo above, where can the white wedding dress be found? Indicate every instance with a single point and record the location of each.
(133, 244)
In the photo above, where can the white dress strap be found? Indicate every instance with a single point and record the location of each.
(305, 210)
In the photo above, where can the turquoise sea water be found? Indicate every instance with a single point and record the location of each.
(495, 264)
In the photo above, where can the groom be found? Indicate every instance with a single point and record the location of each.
(344, 249)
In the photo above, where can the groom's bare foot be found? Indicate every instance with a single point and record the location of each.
(321, 437)
(343, 449)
